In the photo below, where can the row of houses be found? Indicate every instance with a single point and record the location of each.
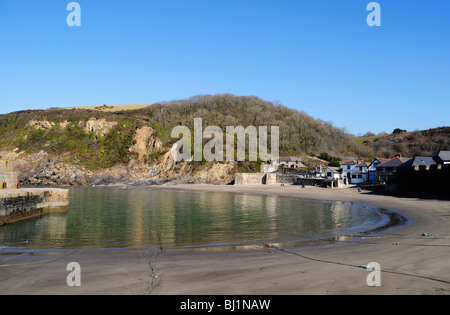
(420, 174)
(399, 174)
(353, 171)
(359, 172)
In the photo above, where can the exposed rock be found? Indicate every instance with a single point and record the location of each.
(170, 159)
(96, 126)
(215, 173)
(46, 171)
(41, 124)
(43, 169)
(146, 143)
(64, 124)
(99, 126)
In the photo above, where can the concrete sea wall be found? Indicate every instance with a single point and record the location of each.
(265, 178)
(20, 204)
(288, 179)
(249, 178)
(8, 178)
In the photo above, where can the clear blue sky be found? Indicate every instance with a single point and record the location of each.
(318, 56)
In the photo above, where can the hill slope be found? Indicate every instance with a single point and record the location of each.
(83, 146)
(414, 143)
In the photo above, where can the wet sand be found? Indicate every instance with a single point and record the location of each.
(410, 263)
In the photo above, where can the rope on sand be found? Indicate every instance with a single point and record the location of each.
(355, 266)
(151, 267)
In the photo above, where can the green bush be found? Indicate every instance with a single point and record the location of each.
(332, 160)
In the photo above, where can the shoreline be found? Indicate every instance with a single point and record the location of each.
(415, 264)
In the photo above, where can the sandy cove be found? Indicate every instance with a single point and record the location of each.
(410, 263)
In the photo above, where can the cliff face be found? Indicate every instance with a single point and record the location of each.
(42, 168)
(146, 143)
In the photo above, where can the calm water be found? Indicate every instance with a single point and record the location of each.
(121, 217)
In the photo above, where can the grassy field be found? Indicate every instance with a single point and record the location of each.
(376, 137)
(371, 138)
(111, 108)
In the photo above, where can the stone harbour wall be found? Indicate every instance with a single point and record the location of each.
(20, 204)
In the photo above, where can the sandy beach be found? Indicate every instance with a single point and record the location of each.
(414, 258)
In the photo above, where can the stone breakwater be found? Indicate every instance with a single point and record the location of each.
(20, 204)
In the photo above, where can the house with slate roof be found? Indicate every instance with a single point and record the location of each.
(442, 157)
(332, 172)
(425, 175)
(360, 173)
(372, 169)
(356, 171)
(348, 167)
(387, 172)
(293, 162)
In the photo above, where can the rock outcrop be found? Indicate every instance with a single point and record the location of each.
(41, 169)
(44, 124)
(146, 143)
(149, 162)
(99, 127)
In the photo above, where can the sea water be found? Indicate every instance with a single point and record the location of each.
(117, 217)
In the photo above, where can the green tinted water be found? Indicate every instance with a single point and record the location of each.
(121, 217)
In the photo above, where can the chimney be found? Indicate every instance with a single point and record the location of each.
(398, 154)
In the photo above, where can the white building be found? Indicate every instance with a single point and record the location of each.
(332, 173)
(287, 162)
(355, 171)
(348, 167)
(360, 173)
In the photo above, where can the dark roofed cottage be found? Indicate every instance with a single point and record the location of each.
(426, 175)
(387, 172)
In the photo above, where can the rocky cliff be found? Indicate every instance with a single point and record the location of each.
(42, 168)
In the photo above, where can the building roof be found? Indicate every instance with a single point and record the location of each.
(334, 169)
(362, 164)
(348, 162)
(394, 162)
(443, 155)
(289, 158)
(404, 159)
(420, 161)
(380, 160)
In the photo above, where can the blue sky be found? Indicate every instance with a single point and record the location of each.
(317, 56)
